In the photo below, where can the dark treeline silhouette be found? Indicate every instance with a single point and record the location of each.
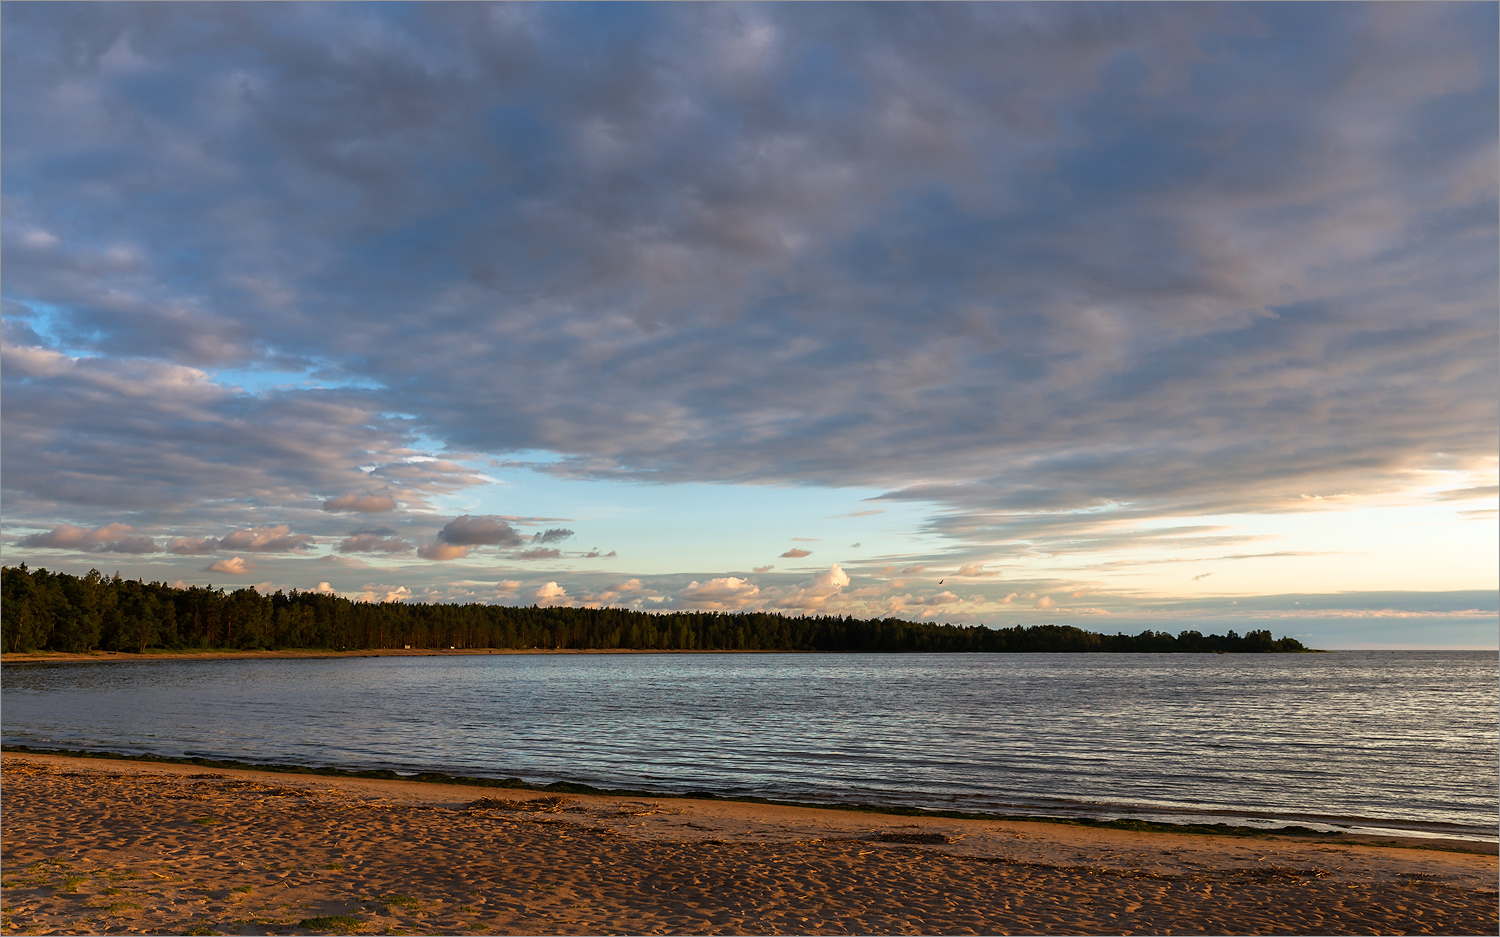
(61, 612)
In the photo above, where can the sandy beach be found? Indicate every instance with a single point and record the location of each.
(104, 846)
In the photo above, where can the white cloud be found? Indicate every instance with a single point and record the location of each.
(372, 592)
(615, 594)
(1045, 602)
(550, 595)
(234, 566)
(726, 593)
(815, 592)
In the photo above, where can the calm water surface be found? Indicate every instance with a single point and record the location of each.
(1348, 740)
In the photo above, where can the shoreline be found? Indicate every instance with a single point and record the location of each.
(101, 845)
(151, 654)
(109, 657)
(1431, 841)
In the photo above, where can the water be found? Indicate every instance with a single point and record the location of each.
(1348, 740)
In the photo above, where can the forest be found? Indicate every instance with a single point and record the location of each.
(44, 610)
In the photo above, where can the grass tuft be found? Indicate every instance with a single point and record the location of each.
(331, 923)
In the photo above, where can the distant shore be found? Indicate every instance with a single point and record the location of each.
(105, 657)
(95, 846)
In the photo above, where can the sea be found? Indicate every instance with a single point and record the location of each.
(1398, 742)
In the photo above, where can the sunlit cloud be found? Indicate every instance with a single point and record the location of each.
(234, 566)
(111, 538)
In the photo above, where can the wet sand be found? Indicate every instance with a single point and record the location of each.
(96, 846)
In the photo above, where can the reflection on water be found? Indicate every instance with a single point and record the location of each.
(1351, 739)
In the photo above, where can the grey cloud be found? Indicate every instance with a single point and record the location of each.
(374, 540)
(1020, 260)
(166, 442)
(796, 553)
(1468, 494)
(539, 553)
(551, 535)
(479, 530)
(193, 546)
(111, 538)
(363, 503)
(277, 539)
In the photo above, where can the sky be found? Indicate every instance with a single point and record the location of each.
(1120, 316)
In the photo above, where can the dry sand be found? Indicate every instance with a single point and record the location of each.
(97, 846)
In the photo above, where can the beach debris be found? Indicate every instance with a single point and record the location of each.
(534, 805)
(915, 839)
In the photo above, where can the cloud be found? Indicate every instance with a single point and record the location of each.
(1486, 492)
(551, 535)
(1201, 576)
(325, 588)
(479, 530)
(193, 546)
(796, 553)
(762, 569)
(234, 566)
(374, 540)
(441, 552)
(1045, 602)
(111, 538)
(362, 503)
(277, 539)
(972, 571)
(815, 592)
(375, 593)
(540, 553)
(551, 595)
(1129, 278)
(726, 593)
(615, 594)
(926, 606)
(170, 444)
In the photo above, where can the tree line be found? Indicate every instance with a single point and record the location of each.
(44, 610)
